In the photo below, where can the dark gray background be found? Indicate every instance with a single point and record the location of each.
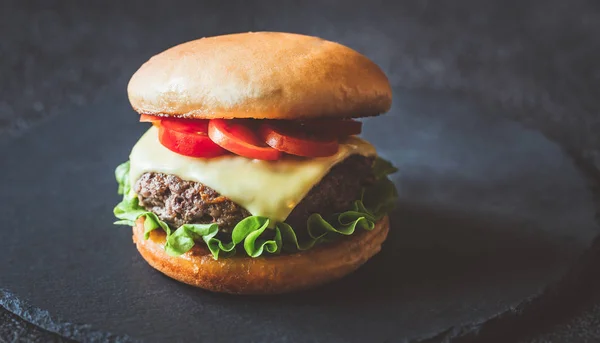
(535, 61)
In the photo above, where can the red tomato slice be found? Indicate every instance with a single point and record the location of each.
(186, 125)
(297, 142)
(238, 138)
(333, 127)
(189, 143)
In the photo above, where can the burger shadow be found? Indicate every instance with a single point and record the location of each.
(431, 250)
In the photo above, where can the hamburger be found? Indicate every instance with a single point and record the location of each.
(252, 178)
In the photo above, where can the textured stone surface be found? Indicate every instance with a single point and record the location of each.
(15, 329)
(534, 60)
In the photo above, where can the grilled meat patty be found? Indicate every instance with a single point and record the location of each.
(179, 202)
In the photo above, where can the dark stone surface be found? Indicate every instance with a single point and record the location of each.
(535, 61)
(15, 329)
(20, 328)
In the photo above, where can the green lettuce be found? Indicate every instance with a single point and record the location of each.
(252, 235)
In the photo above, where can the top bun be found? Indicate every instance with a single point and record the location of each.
(262, 75)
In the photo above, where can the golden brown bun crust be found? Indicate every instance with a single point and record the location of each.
(260, 75)
(263, 275)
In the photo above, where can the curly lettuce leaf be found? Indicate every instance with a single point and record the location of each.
(383, 168)
(122, 176)
(252, 234)
(251, 231)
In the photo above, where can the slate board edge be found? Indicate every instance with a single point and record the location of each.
(554, 305)
(55, 326)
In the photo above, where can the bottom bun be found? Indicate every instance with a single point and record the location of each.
(262, 275)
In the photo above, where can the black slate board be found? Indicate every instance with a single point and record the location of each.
(490, 214)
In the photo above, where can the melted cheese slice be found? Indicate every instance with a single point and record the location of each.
(265, 188)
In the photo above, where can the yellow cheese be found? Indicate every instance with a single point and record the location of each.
(266, 188)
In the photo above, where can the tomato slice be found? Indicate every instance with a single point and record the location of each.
(186, 125)
(339, 128)
(187, 137)
(237, 137)
(189, 143)
(297, 141)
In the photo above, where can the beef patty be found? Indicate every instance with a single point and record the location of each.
(179, 202)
